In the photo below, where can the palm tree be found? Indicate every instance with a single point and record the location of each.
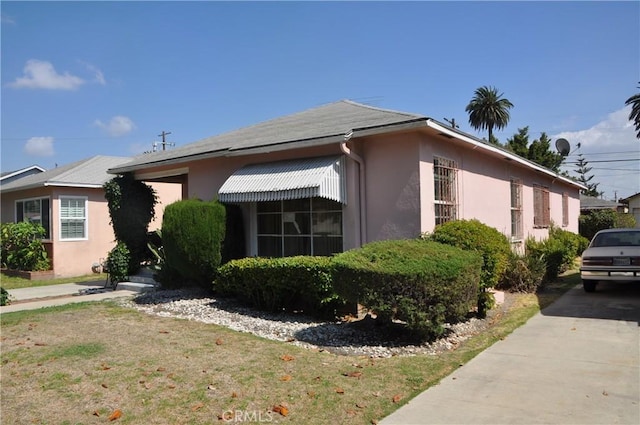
(634, 115)
(488, 109)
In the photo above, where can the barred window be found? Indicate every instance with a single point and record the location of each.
(516, 209)
(541, 207)
(445, 181)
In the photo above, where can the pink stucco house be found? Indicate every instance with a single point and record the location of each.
(340, 175)
(69, 202)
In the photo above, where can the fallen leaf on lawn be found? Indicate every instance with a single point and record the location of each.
(40, 344)
(96, 413)
(361, 405)
(339, 390)
(351, 412)
(317, 378)
(219, 341)
(147, 385)
(105, 367)
(311, 394)
(211, 388)
(396, 398)
(286, 378)
(197, 407)
(164, 332)
(171, 386)
(377, 394)
(104, 386)
(283, 410)
(374, 422)
(115, 415)
(161, 369)
(234, 395)
(359, 366)
(604, 392)
(287, 358)
(353, 374)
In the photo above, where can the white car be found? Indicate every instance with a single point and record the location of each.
(612, 255)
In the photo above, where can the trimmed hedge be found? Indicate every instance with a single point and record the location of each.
(420, 282)
(477, 236)
(192, 236)
(290, 283)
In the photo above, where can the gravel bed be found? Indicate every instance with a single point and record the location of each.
(345, 337)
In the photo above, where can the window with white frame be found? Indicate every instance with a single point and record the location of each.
(445, 182)
(311, 226)
(73, 218)
(516, 209)
(565, 209)
(541, 207)
(35, 210)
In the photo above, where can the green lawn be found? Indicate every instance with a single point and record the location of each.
(87, 362)
(8, 282)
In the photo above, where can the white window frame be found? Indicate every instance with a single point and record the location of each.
(516, 210)
(85, 218)
(451, 197)
(38, 198)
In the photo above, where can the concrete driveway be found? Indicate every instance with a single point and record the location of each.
(577, 362)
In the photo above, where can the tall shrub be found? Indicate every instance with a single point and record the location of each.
(192, 236)
(593, 222)
(131, 208)
(22, 247)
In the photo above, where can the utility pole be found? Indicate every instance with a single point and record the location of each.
(452, 122)
(164, 142)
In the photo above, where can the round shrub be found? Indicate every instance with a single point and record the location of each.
(422, 283)
(476, 236)
(118, 263)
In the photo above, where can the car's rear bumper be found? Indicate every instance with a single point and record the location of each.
(623, 275)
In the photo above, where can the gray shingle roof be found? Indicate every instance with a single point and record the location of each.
(320, 125)
(91, 172)
(593, 203)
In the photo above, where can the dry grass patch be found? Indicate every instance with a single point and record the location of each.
(89, 363)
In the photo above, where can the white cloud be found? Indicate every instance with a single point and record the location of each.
(42, 75)
(39, 146)
(98, 75)
(612, 151)
(117, 126)
(6, 19)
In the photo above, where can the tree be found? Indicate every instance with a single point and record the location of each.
(488, 110)
(131, 208)
(634, 115)
(539, 151)
(582, 168)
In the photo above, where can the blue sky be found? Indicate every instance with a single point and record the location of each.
(87, 78)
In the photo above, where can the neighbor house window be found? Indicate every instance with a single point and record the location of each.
(35, 211)
(541, 208)
(445, 181)
(565, 209)
(73, 218)
(311, 226)
(516, 209)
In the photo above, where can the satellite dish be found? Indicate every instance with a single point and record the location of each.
(563, 147)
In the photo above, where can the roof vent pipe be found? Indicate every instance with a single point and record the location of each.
(362, 201)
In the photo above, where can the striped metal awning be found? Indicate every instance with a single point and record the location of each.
(295, 179)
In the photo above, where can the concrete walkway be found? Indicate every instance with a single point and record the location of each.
(53, 295)
(577, 362)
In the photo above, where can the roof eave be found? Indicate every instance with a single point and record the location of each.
(507, 155)
(275, 147)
